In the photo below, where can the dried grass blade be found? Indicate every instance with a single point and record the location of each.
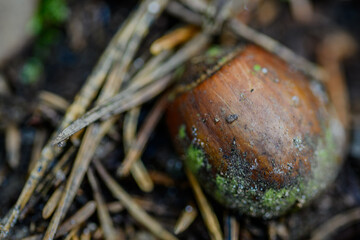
(186, 218)
(95, 133)
(86, 235)
(103, 213)
(180, 11)
(231, 227)
(92, 138)
(207, 212)
(141, 78)
(72, 234)
(54, 101)
(278, 49)
(173, 39)
(138, 146)
(126, 101)
(51, 204)
(135, 211)
(138, 170)
(77, 219)
(122, 101)
(13, 145)
(332, 225)
(39, 141)
(34, 237)
(53, 178)
(82, 101)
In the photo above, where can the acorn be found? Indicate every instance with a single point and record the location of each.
(259, 136)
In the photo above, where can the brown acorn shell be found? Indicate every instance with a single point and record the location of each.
(258, 111)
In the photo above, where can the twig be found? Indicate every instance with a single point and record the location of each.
(77, 219)
(96, 132)
(39, 141)
(183, 13)
(231, 228)
(85, 235)
(82, 101)
(92, 138)
(186, 218)
(13, 145)
(53, 178)
(130, 97)
(135, 211)
(333, 49)
(173, 39)
(51, 204)
(103, 213)
(207, 213)
(161, 178)
(34, 237)
(302, 10)
(196, 5)
(137, 148)
(258, 38)
(332, 225)
(141, 78)
(116, 105)
(278, 49)
(138, 170)
(72, 234)
(115, 207)
(54, 101)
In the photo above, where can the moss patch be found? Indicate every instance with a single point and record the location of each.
(194, 158)
(282, 197)
(182, 132)
(257, 67)
(214, 51)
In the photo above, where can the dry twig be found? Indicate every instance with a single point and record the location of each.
(51, 204)
(82, 101)
(332, 225)
(135, 211)
(278, 49)
(138, 146)
(138, 170)
(185, 219)
(173, 38)
(96, 132)
(207, 212)
(103, 213)
(77, 219)
(13, 144)
(132, 97)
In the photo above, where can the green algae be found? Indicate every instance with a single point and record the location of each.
(182, 132)
(194, 158)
